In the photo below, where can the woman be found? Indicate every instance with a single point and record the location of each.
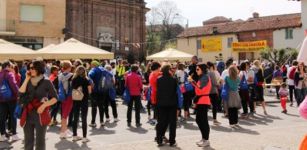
(167, 102)
(153, 77)
(17, 75)
(234, 101)
(243, 89)
(277, 79)
(202, 101)
(259, 81)
(35, 92)
(300, 81)
(146, 83)
(109, 100)
(214, 98)
(80, 80)
(134, 85)
(55, 81)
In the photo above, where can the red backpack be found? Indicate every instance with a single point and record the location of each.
(292, 73)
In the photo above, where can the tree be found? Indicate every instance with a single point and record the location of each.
(279, 56)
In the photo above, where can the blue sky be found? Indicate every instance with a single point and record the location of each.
(199, 10)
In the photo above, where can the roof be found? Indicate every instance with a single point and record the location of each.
(215, 20)
(252, 24)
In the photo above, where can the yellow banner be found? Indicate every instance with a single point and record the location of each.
(249, 46)
(211, 44)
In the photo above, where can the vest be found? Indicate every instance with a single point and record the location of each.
(203, 100)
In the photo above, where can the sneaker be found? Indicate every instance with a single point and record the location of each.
(15, 137)
(199, 142)
(291, 104)
(129, 124)
(85, 140)
(165, 140)
(233, 126)
(69, 133)
(138, 125)
(215, 122)
(116, 119)
(3, 138)
(204, 143)
(173, 144)
(76, 138)
(149, 117)
(93, 125)
(284, 111)
(108, 120)
(102, 124)
(63, 135)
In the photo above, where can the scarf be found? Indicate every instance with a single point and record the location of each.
(35, 80)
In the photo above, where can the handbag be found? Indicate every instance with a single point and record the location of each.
(126, 96)
(18, 111)
(77, 94)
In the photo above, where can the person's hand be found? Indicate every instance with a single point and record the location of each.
(190, 79)
(28, 75)
(41, 109)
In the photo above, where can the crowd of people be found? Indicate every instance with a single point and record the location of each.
(37, 91)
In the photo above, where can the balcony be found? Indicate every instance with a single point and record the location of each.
(7, 27)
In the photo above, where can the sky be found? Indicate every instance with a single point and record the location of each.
(196, 11)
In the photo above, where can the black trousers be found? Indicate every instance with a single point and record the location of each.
(107, 102)
(167, 117)
(55, 109)
(292, 92)
(137, 105)
(252, 97)
(233, 115)
(7, 109)
(202, 120)
(120, 86)
(277, 91)
(77, 106)
(187, 100)
(97, 101)
(215, 104)
(244, 100)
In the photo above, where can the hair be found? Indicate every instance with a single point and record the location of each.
(257, 63)
(283, 85)
(210, 64)
(78, 62)
(155, 66)
(181, 66)
(134, 68)
(108, 67)
(165, 69)
(203, 67)
(80, 72)
(66, 64)
(54, 68)
(16, 69)
(233, 72)
(243, 66)
(6, 63)
(229, 62)
(294, 63)
(195, 58)
(277, 67)
(148, 68)
(39, 66)
(301, 63)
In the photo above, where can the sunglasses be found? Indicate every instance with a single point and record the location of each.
(197, 69)
(31, 68)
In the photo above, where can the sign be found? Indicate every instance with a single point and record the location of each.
(211, 44)
(249, 46)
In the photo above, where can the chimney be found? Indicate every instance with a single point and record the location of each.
(255, 15)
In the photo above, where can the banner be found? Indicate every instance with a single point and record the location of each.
(249, 46)
(211, 44)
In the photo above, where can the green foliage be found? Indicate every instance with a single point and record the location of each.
(279, 56)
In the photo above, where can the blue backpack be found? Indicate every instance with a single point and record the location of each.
(187, 85)
(180, 97)
(243, 83)
(225, 91)
(148, 94)
(63, 94)
(5, 90)
(106, 81)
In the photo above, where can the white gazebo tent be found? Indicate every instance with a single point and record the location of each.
(16, 52)
(302, 56)
(171, 55)
(74, 49)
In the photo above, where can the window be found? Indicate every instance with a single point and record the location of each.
(32, 13)
(198, 44)
(229, 42)
(289, 33)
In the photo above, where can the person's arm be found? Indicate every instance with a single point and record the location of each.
(53, 99)
(24, 85)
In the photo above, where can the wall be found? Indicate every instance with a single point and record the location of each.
(281, 42)
(189, 45)
(304, 14)
(2, 15)
(51, 27)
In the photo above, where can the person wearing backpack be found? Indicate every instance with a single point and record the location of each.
(291, 85)
(243, 89)
(81, 90)
(8, 100)
(65, 96)
(95, 75)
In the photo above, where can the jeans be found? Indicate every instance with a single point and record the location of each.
(233, 116)
(300, 95)
(7, 109)
(202, 120)
(83, 105)
(108, 101)
(291, 92)
(252, 97)
(214, 102)
(244, 100)
(137, 105)
(97, 101)
(166, 118)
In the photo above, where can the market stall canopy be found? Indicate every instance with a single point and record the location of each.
(46, 49)
(302, 56)
(13, 51)
(170, 54)
(74, 49)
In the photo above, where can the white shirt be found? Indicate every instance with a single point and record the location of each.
(290, 81)
(225, 74)
(250, 74)
(180, 75)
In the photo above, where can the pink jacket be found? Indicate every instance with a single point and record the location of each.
(134, 84)
(303, 108)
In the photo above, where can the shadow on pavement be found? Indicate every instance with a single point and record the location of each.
(292, 115)
(111, 125)
(190, 126)
(5, 146)
(240, 129)
(54, 129)
(67, 145)
(101, 131)
(138, 130)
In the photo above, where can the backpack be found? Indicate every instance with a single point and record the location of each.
(292, 73)
(5, 90)
(243, 83)
(63, 94)
(106, 81)
(187, 85)
(77, 94)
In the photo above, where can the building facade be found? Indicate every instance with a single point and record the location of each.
(304, 15)
(32, 23)
(113, 25)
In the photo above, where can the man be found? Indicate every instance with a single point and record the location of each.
(95, 75)
(8, 104)
(251, 87)
(290, 75)
(120, 72)
(192, 68)
(225, 74)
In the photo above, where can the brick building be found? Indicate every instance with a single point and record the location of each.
(113, 25)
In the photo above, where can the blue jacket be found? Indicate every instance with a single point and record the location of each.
(95, 75)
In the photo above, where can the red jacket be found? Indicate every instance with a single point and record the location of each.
(134, 84)
(153, 84)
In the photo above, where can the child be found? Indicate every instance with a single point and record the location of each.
(283, 93)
